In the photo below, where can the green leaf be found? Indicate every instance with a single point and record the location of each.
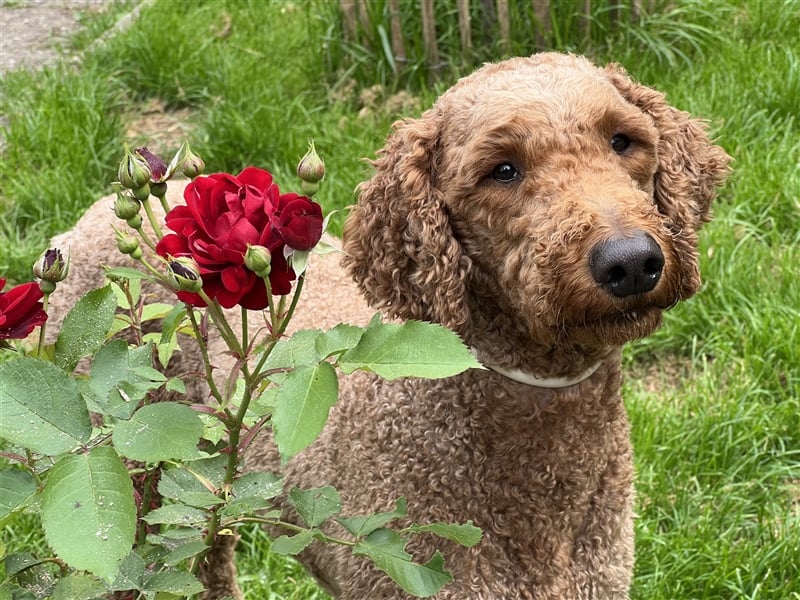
(156, 432)
(84, 587)
(387, 550)
(293, 545)
(129, 273)
(184, 551)
(302, 405)
(16, 488)
(88, 512)
(361, 526)
(131, 574)
(120, 378)
(317, 505)
(175, 514)
(467, 534)
(412, 349)
(337, 340)
(184, 486)
(41, 408)
(261, 485)
(300, 350)
(175, 582)
(85, 327)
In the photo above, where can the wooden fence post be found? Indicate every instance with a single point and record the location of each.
(541, 10)
(396, 28)
(429, 35)
(464, 26)
(505, 26)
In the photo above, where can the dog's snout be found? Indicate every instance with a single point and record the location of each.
(626, 266)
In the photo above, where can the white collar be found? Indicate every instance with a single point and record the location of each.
(527, 378)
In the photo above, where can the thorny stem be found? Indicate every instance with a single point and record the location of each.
(295, 528)
(152, 218)
(164, 204)
(147, 497)
(201, 341)
(43, 328)
(215, 310)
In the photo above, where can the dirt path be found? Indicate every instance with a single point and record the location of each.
(33, 32)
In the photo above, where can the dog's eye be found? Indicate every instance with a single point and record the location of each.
(505, 173)
(620, 143)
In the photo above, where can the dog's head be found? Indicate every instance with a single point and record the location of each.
(542, 201)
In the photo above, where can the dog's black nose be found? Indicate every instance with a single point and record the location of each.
(626, 266)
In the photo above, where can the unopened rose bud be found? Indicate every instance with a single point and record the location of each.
(126, 207)
(259, 260)
(158, 168)
(192, 165)
(184, 275)
(311, 168)
(52, 266)
(308, 188)
(128, 244)
(142, 193)
(135, 221)
(158, 189)
(133, 171)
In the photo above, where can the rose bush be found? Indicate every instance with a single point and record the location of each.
(21, 310)
(223, 216)
(137, 478)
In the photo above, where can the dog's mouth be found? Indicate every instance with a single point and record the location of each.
(618, 327)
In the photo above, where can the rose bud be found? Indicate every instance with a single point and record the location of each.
(52, 266)
(126, 207)
(311, 168)
(142, 193)
(184, 275)
(259, 260)
(158, 168)
(133, 171)
(135, 221)
(128, 244)
(192, 165)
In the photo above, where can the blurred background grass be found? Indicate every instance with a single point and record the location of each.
(714, 396)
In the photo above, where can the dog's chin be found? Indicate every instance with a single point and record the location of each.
(617, 328)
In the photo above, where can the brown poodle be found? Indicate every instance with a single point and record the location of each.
(547, 211)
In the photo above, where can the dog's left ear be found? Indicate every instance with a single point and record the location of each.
(690, 167)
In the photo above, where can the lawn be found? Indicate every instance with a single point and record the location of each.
(714, 396)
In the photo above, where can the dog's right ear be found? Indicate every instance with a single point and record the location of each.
(398, 241)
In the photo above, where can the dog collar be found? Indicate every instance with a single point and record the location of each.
(527, 378)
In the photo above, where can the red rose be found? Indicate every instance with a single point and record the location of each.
(222, 216)
(299, 221)
(21, 310)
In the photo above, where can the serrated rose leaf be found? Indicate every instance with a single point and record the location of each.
(302, 404)
(175, 514)
(387, 550)
(88, 512)
(179, 583)
(84, 587)
(317, 505)
(293, 545)
(85, 327)
(41, 408)
(361, 526)
(16, 487)
(411, 349)
(156, 432)
(467, 534)
(260, 485)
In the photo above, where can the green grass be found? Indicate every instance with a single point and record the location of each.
(714, 396)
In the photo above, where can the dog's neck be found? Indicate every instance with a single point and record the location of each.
(531, 379)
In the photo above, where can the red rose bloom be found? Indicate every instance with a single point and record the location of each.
(222, 216)
(21, 310)
(299, 221)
